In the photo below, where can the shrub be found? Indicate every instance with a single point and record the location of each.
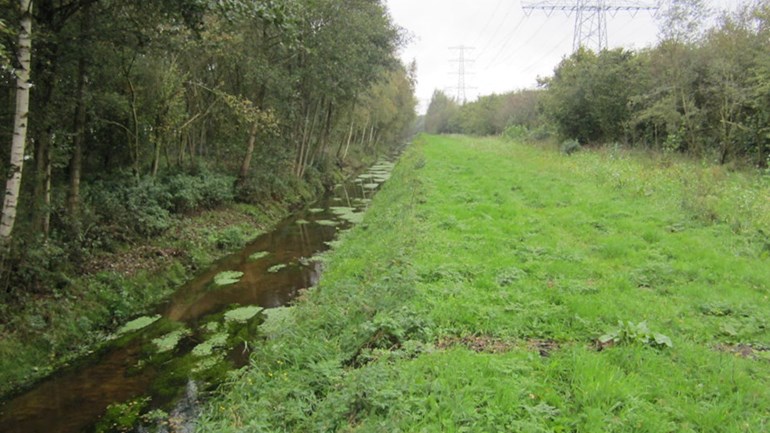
(568, 147)
(516, 132)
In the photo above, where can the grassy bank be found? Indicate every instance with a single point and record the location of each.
(500, 287)
(43, 333)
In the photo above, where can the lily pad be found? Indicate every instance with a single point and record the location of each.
(258, 255)
(275, 268)
(353, 217)
(341, 210)
(227, 277)
(206, 364)
(207, 347)
(328, 223)
(242, 314)
(211, 327)
(169, 341)
(138, 323)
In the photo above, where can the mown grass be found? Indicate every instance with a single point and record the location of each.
(474, 295)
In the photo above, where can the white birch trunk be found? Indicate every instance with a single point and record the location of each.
(19, 123)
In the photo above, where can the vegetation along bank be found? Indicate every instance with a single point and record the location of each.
(161, 135)
(495, 286)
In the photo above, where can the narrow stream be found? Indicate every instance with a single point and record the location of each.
(275, 268)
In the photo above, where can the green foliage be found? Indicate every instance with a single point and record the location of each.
(587, 96)
(630, 333)
(516, 132)
(489, 115)
(121, 417)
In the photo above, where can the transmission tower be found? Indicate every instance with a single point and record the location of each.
(462, 72)
(591, 16)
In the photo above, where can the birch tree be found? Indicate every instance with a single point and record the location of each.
(21, 117)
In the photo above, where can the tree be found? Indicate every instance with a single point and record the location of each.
(441, 110)
(23, 85)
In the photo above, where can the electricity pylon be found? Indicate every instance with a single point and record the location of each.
(590, 16)
(461, 72)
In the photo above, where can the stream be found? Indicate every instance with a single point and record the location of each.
(156, 364)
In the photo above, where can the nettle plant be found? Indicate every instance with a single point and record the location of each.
(630, 333)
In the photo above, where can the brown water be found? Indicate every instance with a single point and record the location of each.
(73, 399)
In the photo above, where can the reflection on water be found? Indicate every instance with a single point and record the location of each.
(75, 398)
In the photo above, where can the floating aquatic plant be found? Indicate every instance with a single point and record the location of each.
(137, 324)
(353, 217)
(242, 314)
(341, 210)
(275, 268)
(207, 347)
(328, 223)
(169, 341)
(258, 255)
(227, 277)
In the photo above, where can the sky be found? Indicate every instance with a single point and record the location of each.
(510, 48)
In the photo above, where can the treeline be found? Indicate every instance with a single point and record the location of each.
(704, 92)
(142, 110)
(489, 115)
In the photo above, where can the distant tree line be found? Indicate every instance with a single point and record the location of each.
(700, 91)
(140, 110)
(489, 115)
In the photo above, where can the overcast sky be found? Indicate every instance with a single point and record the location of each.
(511, 49)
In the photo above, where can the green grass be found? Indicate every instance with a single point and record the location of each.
(473, 296)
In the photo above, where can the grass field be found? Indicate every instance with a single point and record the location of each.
(500, 287)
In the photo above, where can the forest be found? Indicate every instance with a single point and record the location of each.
(143, 112)
(702, 90)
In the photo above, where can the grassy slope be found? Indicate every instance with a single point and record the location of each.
(472, 297)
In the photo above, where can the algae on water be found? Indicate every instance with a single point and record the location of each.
(227, 277)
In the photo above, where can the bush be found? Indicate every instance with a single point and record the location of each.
(541, 133)
(568, 147)
(202, 191)
(516, 132)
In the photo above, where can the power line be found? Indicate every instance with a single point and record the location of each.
(497, 30)
(462, 72)
(515, 51)
(489, 21)
(590, 16)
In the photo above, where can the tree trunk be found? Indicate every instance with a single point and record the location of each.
(347, 142)
(76, 160)
(246, 164)
(19, 140)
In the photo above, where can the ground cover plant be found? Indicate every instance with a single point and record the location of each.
(494, 286)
